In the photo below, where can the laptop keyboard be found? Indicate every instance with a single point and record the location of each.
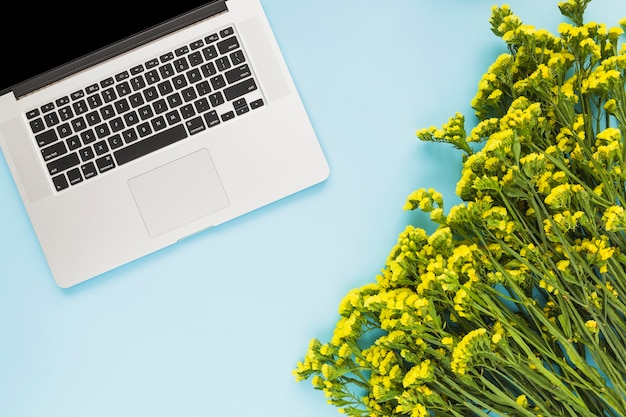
(145, 108)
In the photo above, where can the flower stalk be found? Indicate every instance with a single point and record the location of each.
(515, 304)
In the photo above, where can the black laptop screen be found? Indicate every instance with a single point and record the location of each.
(48, 34)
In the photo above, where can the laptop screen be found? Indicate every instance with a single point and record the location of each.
(49, 34)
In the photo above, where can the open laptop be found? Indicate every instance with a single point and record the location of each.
(175, 118)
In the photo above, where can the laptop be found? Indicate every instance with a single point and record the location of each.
(133, 128)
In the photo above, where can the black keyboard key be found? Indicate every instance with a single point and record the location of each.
(109, 95)
(150, 144)
(222, 63)
(117, 124)
(79, 124)
(144, 129)
(131, 118)
(194, 76)
(216, 99)
(181, 64)
(88, 137)
(227, 116)
(37, 125)
(136, 100)
(93, 118)
(218, 82)
(60, 182)
(152, 63)
(53, 151)
(107, 112)
(60, 102)
(46, 138)
(195, 125)
(212, 119)
(74, 177)
(66, 113)
(238, 90)
(51, 119)
(89, 170)
(238, 57)
(256, 104)
(101, 148)
(159, 106)
(32, 113)
(108, 82)
(151, 94)
(203, 88)
(137, 83)
(122, 76)
(130, 135)
(64, 130)
(105, 163)
(167, 57)
(73, 143)
(86, 154)
(123, 89)
(226, 32)
(64, 163)
(210, 52)
(80, 107)
(122, 106)
(195, 58)
(211, 38)
(47, 107)
(102, 130)
(167, 71)
(94, 101)
(173, 117)
(165, 87)
(238, 74)
(158, 123)
(228, 45)
(115, 141)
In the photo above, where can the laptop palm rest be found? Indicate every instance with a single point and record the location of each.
(178, 192)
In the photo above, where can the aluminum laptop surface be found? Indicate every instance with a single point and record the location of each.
(174, 129)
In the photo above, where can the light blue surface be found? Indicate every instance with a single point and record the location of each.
(214, 326)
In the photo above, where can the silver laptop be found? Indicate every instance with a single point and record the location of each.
(171, 128)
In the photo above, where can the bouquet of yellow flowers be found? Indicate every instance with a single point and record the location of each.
(515, 304)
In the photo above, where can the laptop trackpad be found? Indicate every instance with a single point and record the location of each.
(179, 192)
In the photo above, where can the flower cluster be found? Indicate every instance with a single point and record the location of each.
(516, 303)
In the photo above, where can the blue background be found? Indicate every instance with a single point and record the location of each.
(215, 325)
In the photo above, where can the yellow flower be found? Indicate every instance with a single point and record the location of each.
(522, 401)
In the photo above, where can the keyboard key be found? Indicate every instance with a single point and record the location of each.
(74, 176)
(86, 154)
(256, 104)
(53, 151)
(228, 45)
(37, 125)
(60, 182)
(62, 164)
(51, 119)
(89, 170)
(66, 113)
(211, 118)
(115, 141)
(73, 143)
(105, 163)
(46, 138)
(238, 90)
(195, 125)
(238, 74)
(150, 144)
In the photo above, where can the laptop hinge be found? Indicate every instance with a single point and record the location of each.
(210, 9)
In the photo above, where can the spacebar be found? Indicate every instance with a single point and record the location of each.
(150, 144)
